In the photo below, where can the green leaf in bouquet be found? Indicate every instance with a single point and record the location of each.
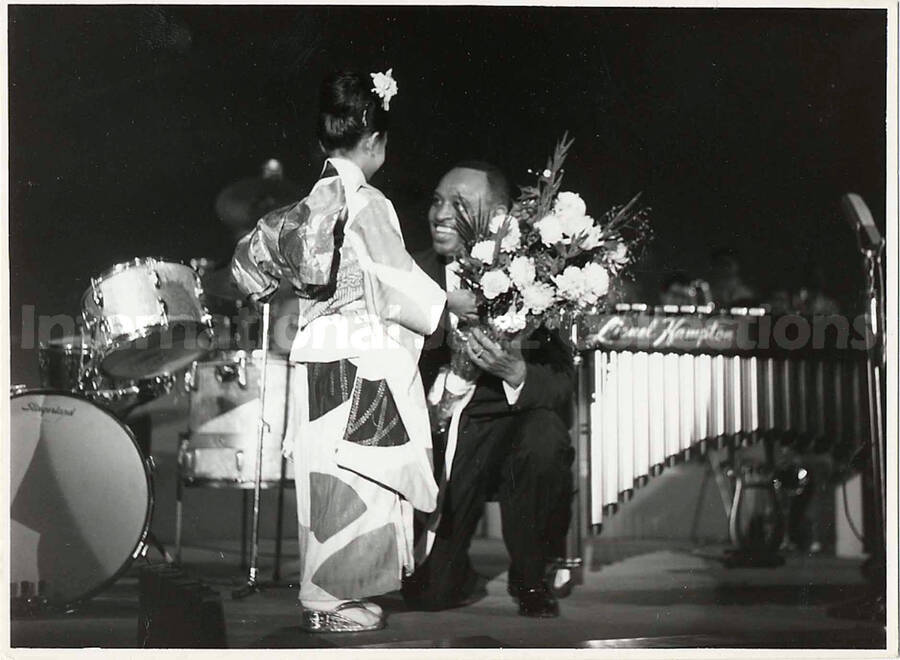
(469, 266)
(549, 263)
(551, 183)
(625, 213)
(472, 225)
(502, 231)
(535, 202)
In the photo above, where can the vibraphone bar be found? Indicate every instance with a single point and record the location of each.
(667, 382)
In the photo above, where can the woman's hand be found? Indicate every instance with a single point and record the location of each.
(463, 304)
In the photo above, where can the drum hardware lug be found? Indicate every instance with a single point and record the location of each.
(96, 294)
(162, 385)
(141, 550)
(163, 311)
(239, 463)
(90, 379)
(190, 378)
(154, 279)
(242, 372)
(151, 463)
(119, 393)
(17, 389)
(227, 373)
(105, 327)
(182, 450)
(186, 458)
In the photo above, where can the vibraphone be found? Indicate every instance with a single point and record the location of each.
(658, 385)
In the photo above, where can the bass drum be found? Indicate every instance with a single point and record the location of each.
(81, 497)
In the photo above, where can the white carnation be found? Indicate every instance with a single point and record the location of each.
(483, 251)
(513, 236)
(596, 280)
(493, 283)
(512, 322)
(537, 297)
(570, 284)
(569, 204)
(551, 230)
(521, 271)
(620, 254)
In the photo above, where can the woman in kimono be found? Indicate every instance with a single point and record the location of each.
(358, 428)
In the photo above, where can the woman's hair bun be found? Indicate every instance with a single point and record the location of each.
(348, 111)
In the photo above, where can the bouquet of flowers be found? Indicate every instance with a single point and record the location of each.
(543, 264)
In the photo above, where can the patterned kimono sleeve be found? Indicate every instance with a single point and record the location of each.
(395, 287)
(257, 265)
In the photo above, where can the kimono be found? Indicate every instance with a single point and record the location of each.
(358, 427)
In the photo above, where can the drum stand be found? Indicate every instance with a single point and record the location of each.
(757, 537)
(253, 585)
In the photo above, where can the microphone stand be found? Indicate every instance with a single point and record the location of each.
(570, 567)
(872, 606)
(253, 585)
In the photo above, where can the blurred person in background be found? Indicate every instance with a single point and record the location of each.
(727, 285)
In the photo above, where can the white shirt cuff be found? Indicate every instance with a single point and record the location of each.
(512, 393)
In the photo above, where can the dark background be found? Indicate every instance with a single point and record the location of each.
(742, 127)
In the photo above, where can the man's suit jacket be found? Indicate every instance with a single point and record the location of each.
(549, 380)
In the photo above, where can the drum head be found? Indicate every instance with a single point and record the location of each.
(81, 496)
(162, 351)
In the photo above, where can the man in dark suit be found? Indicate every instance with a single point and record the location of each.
(513, 442)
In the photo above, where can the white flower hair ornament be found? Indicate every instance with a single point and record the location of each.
(385, 86)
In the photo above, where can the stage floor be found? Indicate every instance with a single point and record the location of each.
(664, 598)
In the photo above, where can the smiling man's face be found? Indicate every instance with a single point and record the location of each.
(469, 184)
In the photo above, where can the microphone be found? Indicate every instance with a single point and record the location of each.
(860, 218)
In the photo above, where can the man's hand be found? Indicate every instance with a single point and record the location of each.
(506, 364)
(463, 304)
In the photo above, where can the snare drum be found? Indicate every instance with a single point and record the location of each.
(220, 448)
(64, 364)
(145, 318)
(81, 497)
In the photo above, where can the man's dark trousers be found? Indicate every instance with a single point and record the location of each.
(523, 459)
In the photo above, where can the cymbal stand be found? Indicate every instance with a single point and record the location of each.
(253, 585)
